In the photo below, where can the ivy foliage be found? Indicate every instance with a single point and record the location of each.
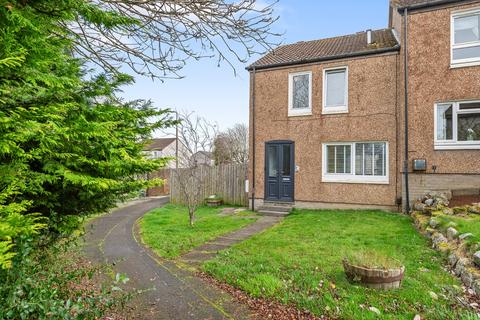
(69, 147)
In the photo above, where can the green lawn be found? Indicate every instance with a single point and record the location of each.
(299, 262)
(167, 231)
(464, 224)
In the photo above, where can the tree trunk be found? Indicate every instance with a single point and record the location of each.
(191, 214)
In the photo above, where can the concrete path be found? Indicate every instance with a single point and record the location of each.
(210, 249)
(171, 292)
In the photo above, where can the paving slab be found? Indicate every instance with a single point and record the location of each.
(208, 251)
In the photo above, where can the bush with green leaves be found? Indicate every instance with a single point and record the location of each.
(57, 283)
(69, 147)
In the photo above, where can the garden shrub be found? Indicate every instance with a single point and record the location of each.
(69, 147)
(56, 283)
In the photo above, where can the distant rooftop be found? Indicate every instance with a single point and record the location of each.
(328, 49)
(159, 144)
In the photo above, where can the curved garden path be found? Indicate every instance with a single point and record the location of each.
(170, 291)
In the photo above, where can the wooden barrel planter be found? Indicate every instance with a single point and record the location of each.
(214, 202)
(374, 278)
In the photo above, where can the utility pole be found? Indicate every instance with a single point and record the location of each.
(176, 140)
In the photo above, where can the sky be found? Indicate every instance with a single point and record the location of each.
(219, 95)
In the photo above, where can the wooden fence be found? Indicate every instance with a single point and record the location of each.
(227, 181)
(163, 190)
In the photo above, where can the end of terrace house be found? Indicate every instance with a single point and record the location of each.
(373, 119)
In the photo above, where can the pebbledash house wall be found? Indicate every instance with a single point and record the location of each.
(372, 116)
(432, 80)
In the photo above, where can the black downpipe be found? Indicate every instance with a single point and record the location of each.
(405, 65)
(253, 140)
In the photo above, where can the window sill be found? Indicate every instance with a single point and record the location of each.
(334, 111)
(300, 114)
(355, 179)
(457, 65)
(457, 146)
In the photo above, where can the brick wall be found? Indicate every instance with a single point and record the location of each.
(420, 184)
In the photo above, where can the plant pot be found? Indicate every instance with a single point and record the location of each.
(374, 278)
(214, 202)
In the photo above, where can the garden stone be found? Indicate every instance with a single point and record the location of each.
(452, 259)
(474, 247)
(429, 231)
(464, 236)
(448, 211)
(427, 210)
(452, 233)
(429, 202)
(446, 194)
(468, 278)
(476, 258)
(459, 210)
(444, 247)
(418, 206)
(474, 210)
(442, 202)
(476, 287)
(437, 239)
(433, 223)
(460, 267)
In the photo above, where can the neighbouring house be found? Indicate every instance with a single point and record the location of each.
(162, 148)
(203, 158)
(343, 122)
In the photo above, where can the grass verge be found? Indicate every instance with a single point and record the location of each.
(299, 262)
(166, 230)
(464, 224)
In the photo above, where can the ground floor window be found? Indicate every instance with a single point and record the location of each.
(457, 125)
(355, 162)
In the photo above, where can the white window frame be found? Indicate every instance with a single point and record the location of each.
(334, 109)
(462, 62)
(454, 144)
(352, 177)
(299, 112)
(335, 158)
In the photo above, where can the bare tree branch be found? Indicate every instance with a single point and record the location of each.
(231, 146)
(162, 35)
(195, 135)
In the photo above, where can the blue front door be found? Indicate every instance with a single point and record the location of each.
(279, 171)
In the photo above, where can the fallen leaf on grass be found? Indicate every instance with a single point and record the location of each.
(433, 295)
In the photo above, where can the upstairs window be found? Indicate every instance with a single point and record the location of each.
(335, 90)
(300, 94)
(466, 38)
(457, 125)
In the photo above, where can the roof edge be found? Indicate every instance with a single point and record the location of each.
(326, 58)
(419, 6)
